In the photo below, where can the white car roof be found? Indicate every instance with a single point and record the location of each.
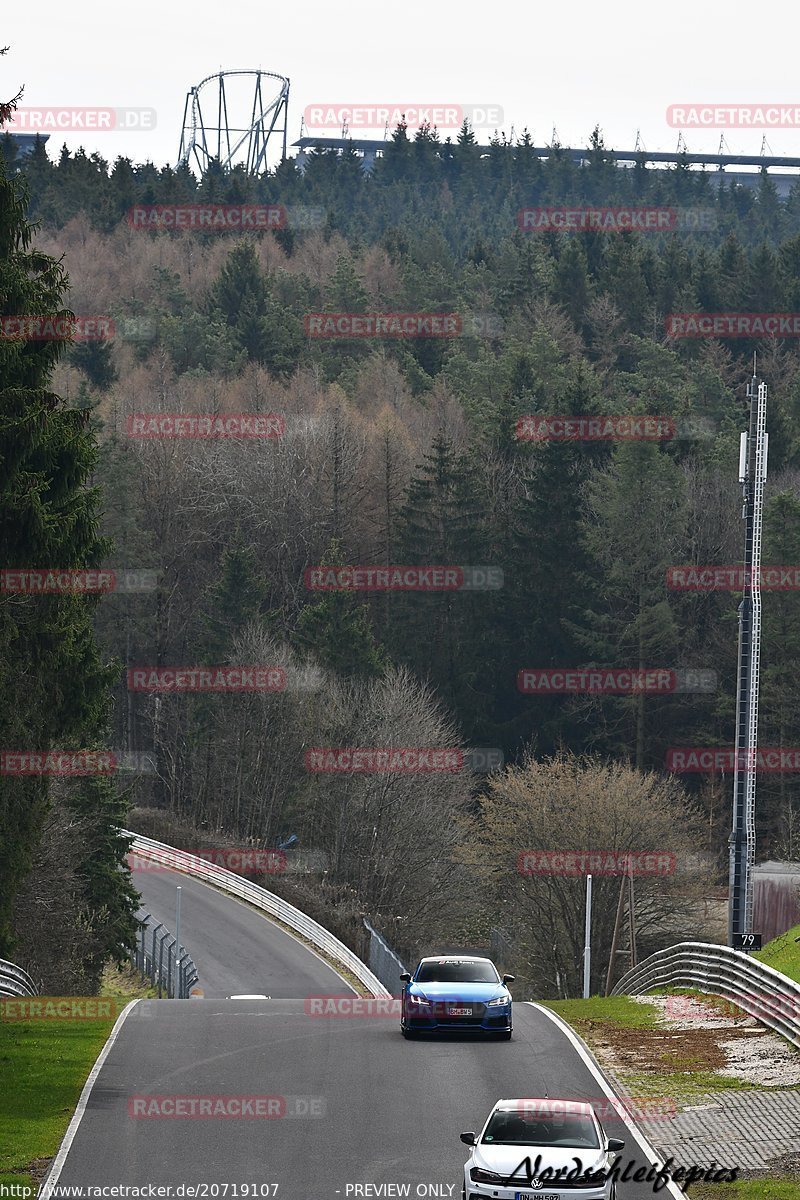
(544, 1104)
(455, 958)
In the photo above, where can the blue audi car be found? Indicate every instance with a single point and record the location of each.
(452, 994)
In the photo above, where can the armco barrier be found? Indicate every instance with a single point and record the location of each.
(14, 981)
(763, 993)
(234, 885)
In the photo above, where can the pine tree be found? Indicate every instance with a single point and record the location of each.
(635, 521)
(780, 695)
(445, 636)
(54, 685)
(234, 601)
(96, 360)
(336, 631)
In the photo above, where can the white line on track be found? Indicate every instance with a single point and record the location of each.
(583, 1051)
(72, 1128)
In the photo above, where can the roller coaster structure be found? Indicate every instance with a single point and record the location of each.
(234, 135)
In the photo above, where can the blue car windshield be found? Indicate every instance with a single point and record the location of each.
(456, 971)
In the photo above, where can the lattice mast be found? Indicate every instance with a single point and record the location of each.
(753, 451)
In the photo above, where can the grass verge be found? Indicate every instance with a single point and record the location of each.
(783, 954)
(585, 1015)
(44, 1063)
(745, 1189)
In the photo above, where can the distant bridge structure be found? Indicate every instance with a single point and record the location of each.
(784, 172)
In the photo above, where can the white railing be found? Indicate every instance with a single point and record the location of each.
(759, 990)
(14, 981)
(268, 902)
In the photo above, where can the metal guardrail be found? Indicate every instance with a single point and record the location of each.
(759, 990)
(383, 961)
(235, 885)
(14, 981)
(167, 965)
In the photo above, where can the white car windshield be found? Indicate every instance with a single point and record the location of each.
(507, 1128)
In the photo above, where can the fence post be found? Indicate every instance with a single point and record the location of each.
(140, 944)
(180, 991)
(169, 968)
(156, 928)
(161, 942)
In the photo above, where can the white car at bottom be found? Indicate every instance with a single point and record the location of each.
(540, 1149)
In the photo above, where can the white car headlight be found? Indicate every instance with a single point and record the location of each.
(499, 1000)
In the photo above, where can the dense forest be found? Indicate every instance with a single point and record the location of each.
(406, 451)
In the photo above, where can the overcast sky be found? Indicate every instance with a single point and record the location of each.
(568, 65)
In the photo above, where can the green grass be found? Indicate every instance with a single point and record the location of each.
(685, 1081)
(746, 1189)
(43, 1066)
(619, 1010)
(783, 954)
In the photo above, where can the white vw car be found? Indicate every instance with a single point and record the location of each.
(538, 1150)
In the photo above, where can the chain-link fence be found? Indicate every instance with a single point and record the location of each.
(383, 962)
(168, 966)
(501, 951)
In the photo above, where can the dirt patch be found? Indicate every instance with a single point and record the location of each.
(658, 1050)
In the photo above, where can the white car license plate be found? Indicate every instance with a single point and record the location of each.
(459, 1012)
(537, 1196)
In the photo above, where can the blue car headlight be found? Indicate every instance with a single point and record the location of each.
(420, 1000)
(498, 1000)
